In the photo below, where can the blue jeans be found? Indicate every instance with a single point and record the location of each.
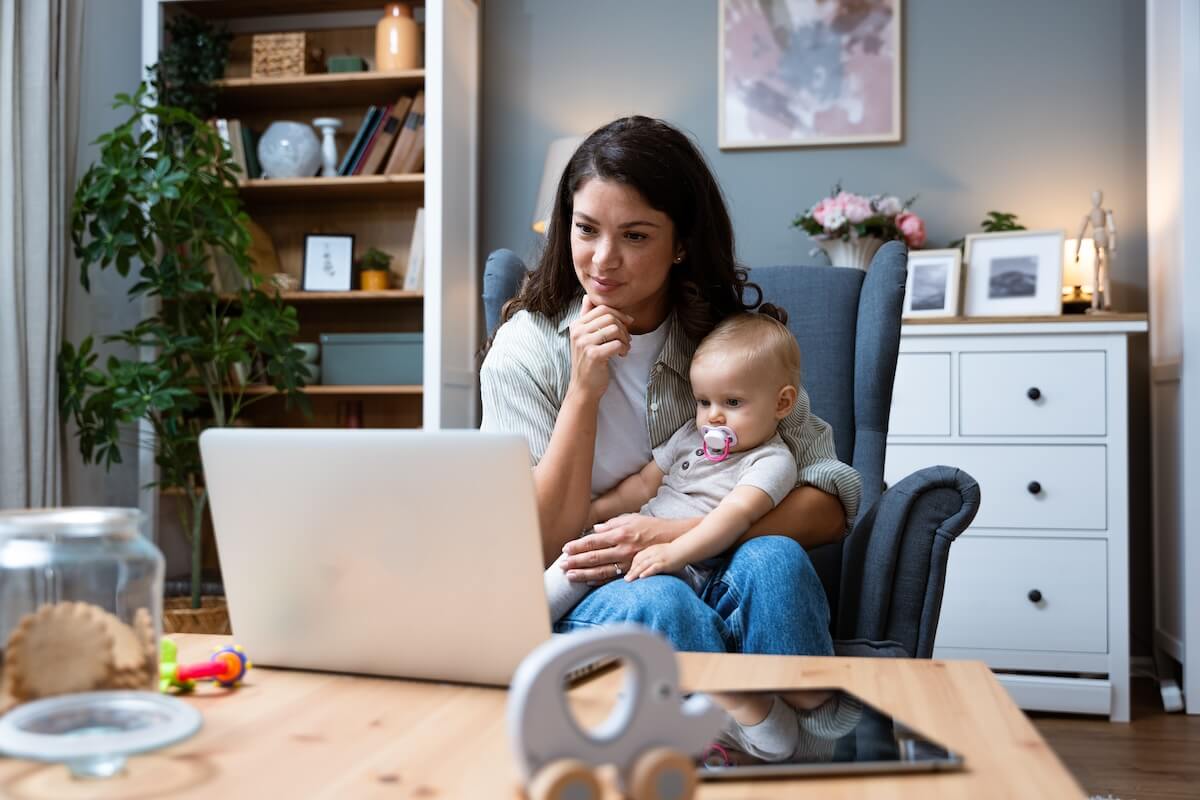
(766, 598)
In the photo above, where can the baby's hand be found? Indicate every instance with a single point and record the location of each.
(655, 559)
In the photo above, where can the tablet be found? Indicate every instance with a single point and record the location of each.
(789, 732)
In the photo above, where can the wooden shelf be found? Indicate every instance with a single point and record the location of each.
(220, 9)
(356, 296)
(358, 188)
(335, 390)
(332, 89)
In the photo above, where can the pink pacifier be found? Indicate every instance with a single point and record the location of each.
(718, 438)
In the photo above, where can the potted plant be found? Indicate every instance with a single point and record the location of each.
(165, 205)
(373, 270)
(851, 227)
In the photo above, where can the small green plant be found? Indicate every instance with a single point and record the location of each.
(374, 259)
(161, 201)
(994, 222)
(193, 56)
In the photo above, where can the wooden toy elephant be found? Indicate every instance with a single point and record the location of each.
(651, 736)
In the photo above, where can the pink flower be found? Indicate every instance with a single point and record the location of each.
(912, 228)
(856, 208)
(819, 210)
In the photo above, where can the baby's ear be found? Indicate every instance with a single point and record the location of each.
(785, 402)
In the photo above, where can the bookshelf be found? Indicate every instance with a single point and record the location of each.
(402, 188)
(379, 209)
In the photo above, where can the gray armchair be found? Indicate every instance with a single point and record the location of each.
(884, 581)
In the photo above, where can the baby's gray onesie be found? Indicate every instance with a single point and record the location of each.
(692, 486)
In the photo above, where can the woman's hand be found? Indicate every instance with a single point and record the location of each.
(600, 333)
(606, 554)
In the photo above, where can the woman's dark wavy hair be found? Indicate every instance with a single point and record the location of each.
(670, 173)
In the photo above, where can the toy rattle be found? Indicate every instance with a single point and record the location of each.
(227, 667)
(652, 734)
(719, 441)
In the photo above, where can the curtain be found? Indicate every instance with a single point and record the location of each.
(40, 44)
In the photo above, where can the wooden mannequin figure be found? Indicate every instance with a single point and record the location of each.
(1104, 234)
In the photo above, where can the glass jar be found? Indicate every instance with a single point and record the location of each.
(80, 603)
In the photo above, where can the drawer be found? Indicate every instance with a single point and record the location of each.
(921, 395)
(1032, 394)
(1071, 484)
(990, 581)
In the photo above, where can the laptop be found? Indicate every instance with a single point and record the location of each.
(403, 553)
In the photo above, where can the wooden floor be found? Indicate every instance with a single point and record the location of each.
(1155, 757)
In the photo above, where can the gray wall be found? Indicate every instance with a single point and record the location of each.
(111, 63)
(1023, 106)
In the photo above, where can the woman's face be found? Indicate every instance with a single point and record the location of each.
(623, 251)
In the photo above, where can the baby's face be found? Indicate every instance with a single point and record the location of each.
(728, 392)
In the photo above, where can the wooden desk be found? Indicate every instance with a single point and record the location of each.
(312, 735)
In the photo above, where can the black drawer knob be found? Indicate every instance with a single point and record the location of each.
(1035, 596)
(1034, 487)
(1034, 393)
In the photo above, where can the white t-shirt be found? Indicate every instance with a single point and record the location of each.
(622, 436)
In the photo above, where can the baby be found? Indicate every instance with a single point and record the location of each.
(729, 465)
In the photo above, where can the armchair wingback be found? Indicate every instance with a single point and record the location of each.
(885, 579)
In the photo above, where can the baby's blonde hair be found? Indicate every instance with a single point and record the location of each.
(764, 342)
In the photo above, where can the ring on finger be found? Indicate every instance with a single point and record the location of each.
(617, 570)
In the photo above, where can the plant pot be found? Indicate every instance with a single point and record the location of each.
(856, 253)
(180, 617)
(374, 280)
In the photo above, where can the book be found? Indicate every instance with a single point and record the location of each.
(357, 169)
(222, 126)
(407, 139)
(388, 131)
(356, 145)
(238, 147)
(414, 276)
(250, 145)
(416, 157)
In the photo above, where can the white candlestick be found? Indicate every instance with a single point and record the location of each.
(328, 127)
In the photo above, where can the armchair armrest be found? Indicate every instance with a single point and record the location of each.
(894, 563)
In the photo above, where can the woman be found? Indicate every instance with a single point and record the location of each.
(591, 366)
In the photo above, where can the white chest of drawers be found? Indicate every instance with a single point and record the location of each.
(1037, 412)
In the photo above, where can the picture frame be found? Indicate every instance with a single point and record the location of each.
(798, 73)
(328, 262)
(934, 283)
(1014, 274)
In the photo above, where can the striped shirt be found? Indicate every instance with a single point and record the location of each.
(524, 379)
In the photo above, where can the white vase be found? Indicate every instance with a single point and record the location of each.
(856, 253)
(289, 150)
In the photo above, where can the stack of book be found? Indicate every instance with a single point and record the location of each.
(241, 142)
(390, 141)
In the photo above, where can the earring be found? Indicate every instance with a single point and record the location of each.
(678, 259)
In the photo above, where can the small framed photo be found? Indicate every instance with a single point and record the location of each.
(1014, 274)
(328, 262)
(933, 282)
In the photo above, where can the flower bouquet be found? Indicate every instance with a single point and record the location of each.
(850, 227)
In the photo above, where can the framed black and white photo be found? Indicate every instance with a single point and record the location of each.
(1014, 274)
(328, 262)
(933, 281)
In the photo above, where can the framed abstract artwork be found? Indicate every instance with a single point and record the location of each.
(328, 264)
(795, 73)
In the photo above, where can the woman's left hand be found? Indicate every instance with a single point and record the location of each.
(606, 554)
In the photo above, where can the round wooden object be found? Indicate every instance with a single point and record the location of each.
(663, 774)
(567, 779)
